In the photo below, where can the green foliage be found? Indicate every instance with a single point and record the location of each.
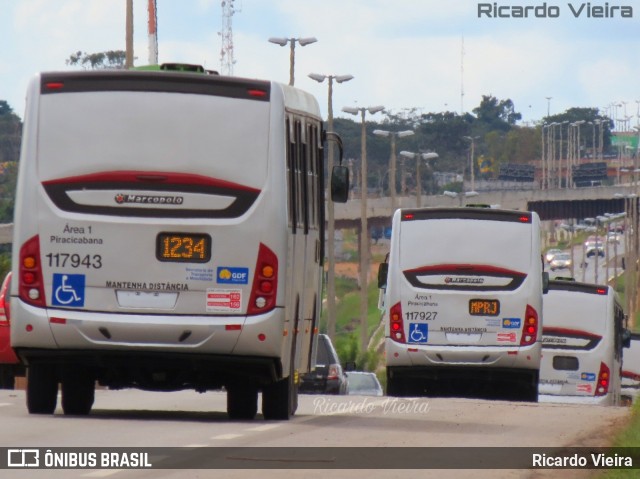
(589, 116)
(5, 264)
(10, 133)
(111, 59)
(496, 114)
(628, 437)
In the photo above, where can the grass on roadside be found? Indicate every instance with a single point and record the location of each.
(628, 437)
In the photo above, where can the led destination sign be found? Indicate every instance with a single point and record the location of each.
(183, 247)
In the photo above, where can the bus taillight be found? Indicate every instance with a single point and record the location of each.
(604, 377)
(396, 325)
(530, 328)
(265, 282)
(30, 273)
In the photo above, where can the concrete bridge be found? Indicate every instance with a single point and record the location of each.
(553, 204)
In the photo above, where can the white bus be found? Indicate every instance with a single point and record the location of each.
(463, 303)
(169, 232)
(582, 341)
(630, 384)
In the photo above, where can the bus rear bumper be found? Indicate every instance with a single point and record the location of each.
(54, 330)
(526, 357)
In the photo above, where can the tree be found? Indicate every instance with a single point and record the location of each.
(109, 60)
(10, 133)
(590, 117)
(496, 115)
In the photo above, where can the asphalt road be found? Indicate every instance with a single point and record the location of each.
(192, 421)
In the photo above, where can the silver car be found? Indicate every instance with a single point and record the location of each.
(560, 261)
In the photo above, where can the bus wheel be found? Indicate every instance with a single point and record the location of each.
(7, 376)
(280, 399)
(242, 401)
(42, 389)
(78, 392)
(395, 385)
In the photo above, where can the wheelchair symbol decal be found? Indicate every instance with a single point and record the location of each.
(418, 333)
(68, 289)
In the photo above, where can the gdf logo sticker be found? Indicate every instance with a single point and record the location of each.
(229, 275)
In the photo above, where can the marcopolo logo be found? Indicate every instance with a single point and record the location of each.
(121, 198)
(463, 280)
(229, 275)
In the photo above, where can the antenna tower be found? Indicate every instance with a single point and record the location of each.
(462, 77)
(226, 35)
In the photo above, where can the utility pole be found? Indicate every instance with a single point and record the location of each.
(128, 62)
(153, 33)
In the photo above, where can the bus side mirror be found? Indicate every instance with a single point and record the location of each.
(383, 271)
(626, 338)
(545, 282)
(340, 184)
(340, 173)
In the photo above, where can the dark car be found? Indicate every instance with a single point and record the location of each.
(328, 377)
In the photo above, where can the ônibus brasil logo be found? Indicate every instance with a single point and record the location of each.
(148, 199)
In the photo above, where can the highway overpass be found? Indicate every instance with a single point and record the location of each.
(553, 204)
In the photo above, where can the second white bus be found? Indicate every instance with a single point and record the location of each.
(463, 303)
(582, 344)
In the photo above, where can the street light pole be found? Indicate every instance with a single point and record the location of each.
(331, 248)
(392, 167)
(292, 56)
(419, 156)
(364, 229)
(472, 139)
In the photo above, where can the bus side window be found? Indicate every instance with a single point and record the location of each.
(291, 176)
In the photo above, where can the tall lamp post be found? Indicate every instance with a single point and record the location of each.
(472, 139)
(364, 229)
(331, 247)
(392, 163)
(419, 156)
(292, 56)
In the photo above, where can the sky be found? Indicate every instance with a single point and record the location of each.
(428, 55)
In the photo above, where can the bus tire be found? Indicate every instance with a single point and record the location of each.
(78, 392)
(242, 401)
(532, 392)
(7, 376)
(279, 399)
(42, 389)
(394, 385)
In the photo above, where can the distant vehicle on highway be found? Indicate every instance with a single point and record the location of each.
(328, 376)
(361, 383)
(582, 344)
(560, 261)
(613, 237)
(550, 254)
(594, 245)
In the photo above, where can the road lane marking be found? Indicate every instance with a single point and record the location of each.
(103, 473)
(224, 437)
(264, 427)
